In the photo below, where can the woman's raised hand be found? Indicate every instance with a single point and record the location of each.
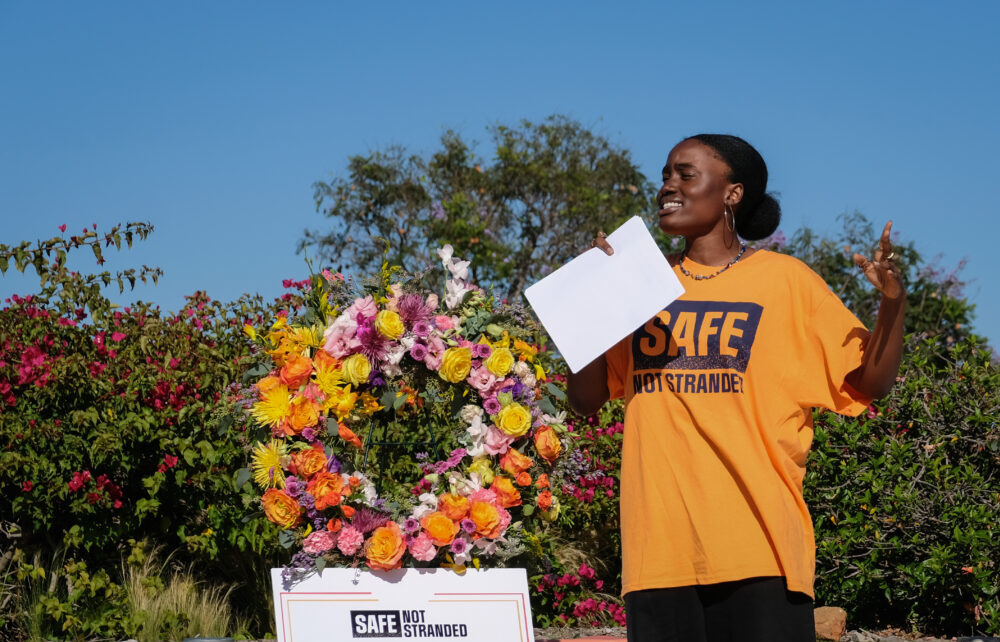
(601, 241)
(881, 270)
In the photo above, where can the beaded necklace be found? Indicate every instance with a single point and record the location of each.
(702, 277)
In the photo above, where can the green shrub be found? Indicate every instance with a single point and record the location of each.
(114, 420)
(906, 499)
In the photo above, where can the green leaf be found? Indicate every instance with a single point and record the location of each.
(555, 390)
(190, 456)
(547, 407)
(242, 477)
(286, 538)
(528, 510)
(320, 564)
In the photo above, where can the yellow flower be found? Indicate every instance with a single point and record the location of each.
(249, 331)
(525, 350)
(329, 378)
(267, 464)
(481, 466)
(356, 369)
(552, 513)
(455, 364)
(500, 362)
(389, 324)
(340, 401)
(274, 406)
(369, 404)
(514, 419)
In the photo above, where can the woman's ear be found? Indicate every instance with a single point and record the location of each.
(734, 194)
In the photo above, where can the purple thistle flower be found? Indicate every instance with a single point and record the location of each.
(367, 520)
(459, 546)
(468, 526)
(412, 309)
(373, 344)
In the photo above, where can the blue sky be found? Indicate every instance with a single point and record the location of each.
(212, 120)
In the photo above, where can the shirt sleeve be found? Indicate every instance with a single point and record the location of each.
(834, 348)
(618, 364)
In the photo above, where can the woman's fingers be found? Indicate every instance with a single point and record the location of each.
(602, 242)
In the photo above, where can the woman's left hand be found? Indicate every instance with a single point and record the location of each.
(881, 270)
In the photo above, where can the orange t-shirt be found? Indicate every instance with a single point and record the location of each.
(719, 391)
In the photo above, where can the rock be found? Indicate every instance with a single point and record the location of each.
(831, 622)
(860, 636)
(979, 638)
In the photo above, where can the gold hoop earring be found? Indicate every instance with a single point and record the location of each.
(730, 219)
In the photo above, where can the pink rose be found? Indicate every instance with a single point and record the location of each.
(422, 548)
(319, 542)
(365, 307)
(443, 322)
(350, 540)
(481, 379)
(497, 441)
(340, 339)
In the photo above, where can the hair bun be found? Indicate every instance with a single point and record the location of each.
(762, 221)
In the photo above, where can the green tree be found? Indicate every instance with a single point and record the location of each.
(547, 189)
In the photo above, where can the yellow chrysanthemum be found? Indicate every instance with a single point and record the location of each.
(266, 466)
(274, 407)
(328, 379)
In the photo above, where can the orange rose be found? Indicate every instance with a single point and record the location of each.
(524, 479)
(324, 360)
(514, 463)
(307, 463)
(384, 550)
(454, 506)
(486, 517)
(305, 413)
(547, 443)
(348, 511)
(280, 508)
(267, 385)
(543, 481)
(296, 371)
(334, 525)
(507, 495)
(545, 499)
(325, 487)
(440, 528)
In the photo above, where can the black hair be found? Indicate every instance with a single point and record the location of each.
(757, 215)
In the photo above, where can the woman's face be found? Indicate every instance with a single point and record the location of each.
(695, 188)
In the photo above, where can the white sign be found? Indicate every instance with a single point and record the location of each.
(417, 604)
(595, 300)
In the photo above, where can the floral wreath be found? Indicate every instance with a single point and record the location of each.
(395, 363)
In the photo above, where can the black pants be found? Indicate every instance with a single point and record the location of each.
(754, 610)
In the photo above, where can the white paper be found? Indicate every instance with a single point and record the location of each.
(595, 300)
(429, 604)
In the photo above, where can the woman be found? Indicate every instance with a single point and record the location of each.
(717, 542)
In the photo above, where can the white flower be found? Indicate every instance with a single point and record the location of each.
(559, 418)
(390, 366)
(454, 292)
(469, 412)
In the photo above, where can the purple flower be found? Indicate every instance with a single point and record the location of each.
(367, 520)
(459, 545)
(307, 501)
(492, 406)
(412, 309)
(333, 465)
(481, 350)
(412, 524)
(421, 329)
(418, 351)
(292, 486)
(309, 434)
(468, 526)
(376, 379)
(373, 344)
(437, 211)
